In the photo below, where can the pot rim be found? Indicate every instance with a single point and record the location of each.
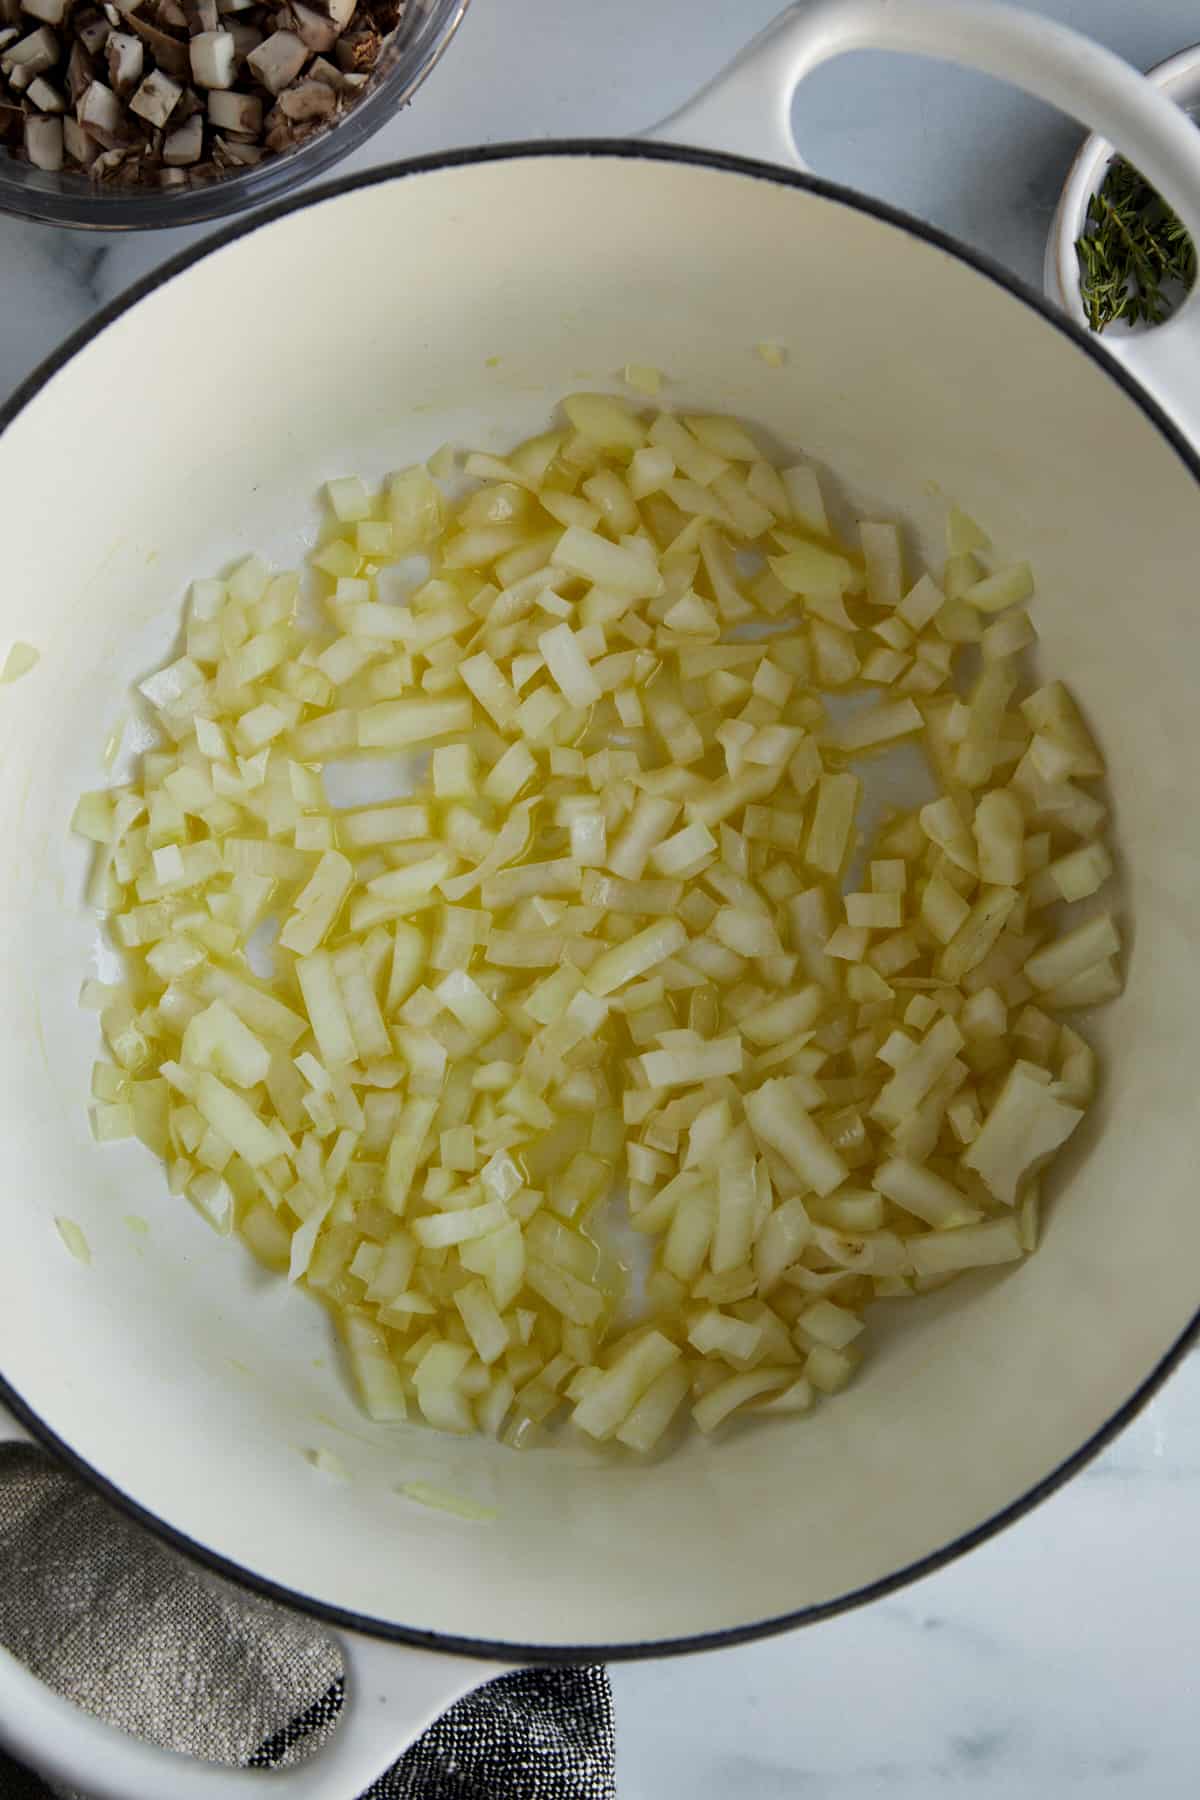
(342, 1618)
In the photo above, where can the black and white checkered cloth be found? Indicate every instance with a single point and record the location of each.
(107, 1615)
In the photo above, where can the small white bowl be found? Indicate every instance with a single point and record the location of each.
(1178, 76)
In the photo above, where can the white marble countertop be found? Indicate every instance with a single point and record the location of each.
(1057, 1659)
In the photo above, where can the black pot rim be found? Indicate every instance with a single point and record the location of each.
(632, 150)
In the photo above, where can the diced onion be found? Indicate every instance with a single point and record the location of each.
(585, 926)
(72, 1236)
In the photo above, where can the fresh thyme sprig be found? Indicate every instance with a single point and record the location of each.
(1135, 259)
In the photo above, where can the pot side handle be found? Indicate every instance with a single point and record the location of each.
(393, 1692)
(747, 110)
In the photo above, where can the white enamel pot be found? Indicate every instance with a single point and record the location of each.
(456, 298)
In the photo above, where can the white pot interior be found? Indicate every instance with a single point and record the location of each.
(359, 334)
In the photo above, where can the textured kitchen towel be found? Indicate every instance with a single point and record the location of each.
(106, 1614)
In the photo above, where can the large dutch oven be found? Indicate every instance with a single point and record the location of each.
(457, 297)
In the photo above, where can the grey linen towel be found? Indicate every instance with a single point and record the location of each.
(107, 1615)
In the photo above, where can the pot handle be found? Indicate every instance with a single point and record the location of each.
(747, 110)
(392, 1693)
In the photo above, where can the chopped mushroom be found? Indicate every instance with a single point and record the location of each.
(50, 12)
(186, 143)
(245, 38)
(92, 32)
(31, 56)
(45, 96)
(278, 60)
(168, 52)
(78, 145)
(80, 72)
(239, 154)
(124, 55)
(236, 112)
(281, 132)
(156, 99)
(322, 70)
(314, 29)
(213, 58)
(44, 141)
(358, 51)
(99, 109)
(307, 100)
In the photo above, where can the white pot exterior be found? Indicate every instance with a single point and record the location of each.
(459, 302)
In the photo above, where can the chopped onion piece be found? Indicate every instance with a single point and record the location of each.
(568, 666)
(318, 904)
(829, 835)
(781, 1243)
(1074, 952)
(776, 1119)
(608, 565)
(217, 1039)
(880, 725)
(1027, 1124)
(969, 1247)
(325, 1008)
(227, 1113)
(697, 1063)
(650, 1416)
(715, 1406)
(396, 724)
(613, 1396)
(440, 1501)
(926, 1195)
(641, 953)
(1008, 587)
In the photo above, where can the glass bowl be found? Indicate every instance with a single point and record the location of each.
(71, 198)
